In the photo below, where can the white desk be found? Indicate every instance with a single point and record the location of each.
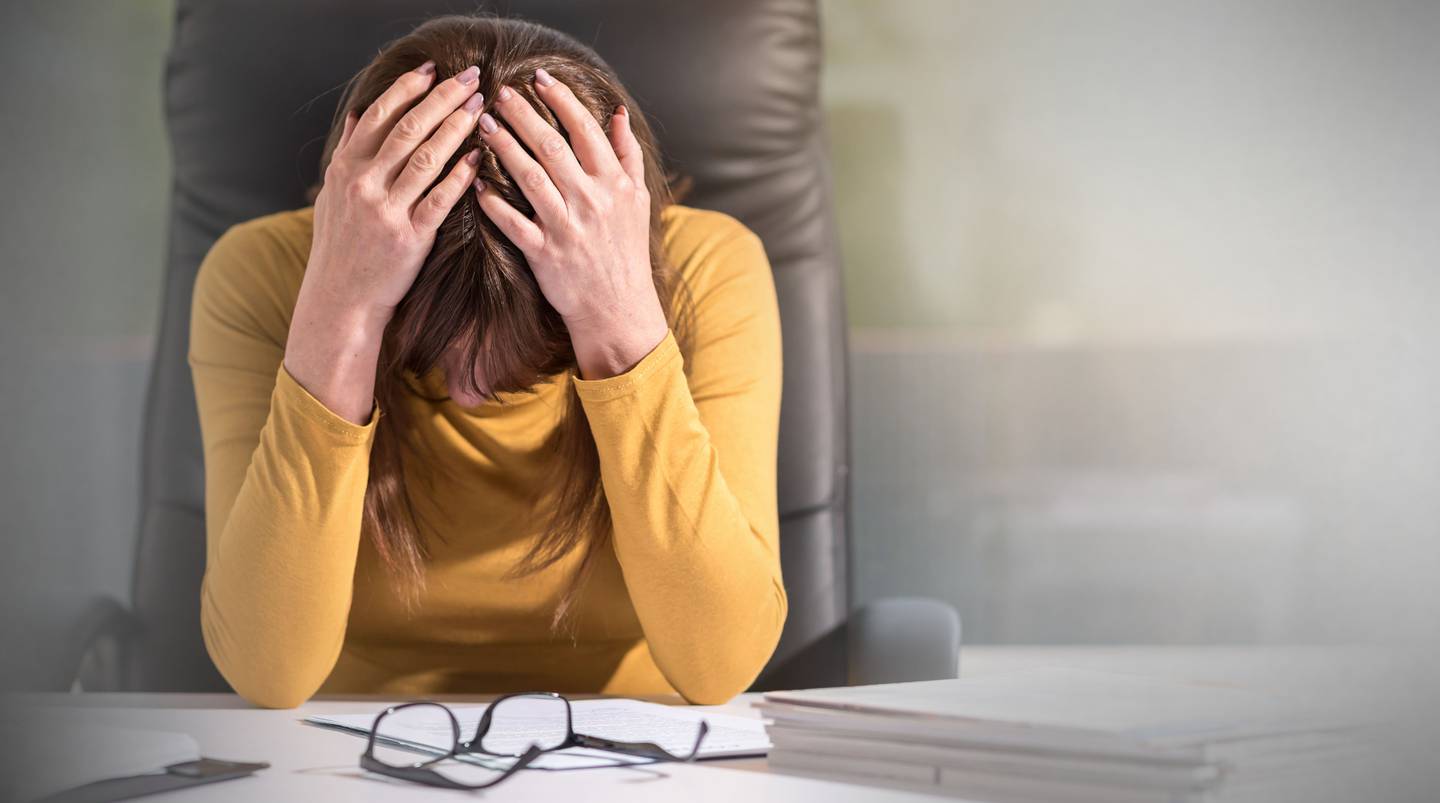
(312, 764)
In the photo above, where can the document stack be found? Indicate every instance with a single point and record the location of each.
(1058, 735)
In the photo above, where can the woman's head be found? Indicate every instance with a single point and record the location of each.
(476, 288)
(475, 311)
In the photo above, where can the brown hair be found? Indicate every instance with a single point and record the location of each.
(475, 291)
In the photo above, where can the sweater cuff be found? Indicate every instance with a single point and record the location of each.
(294, 396)
(614, 387)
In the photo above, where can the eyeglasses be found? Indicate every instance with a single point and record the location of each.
(520, 727)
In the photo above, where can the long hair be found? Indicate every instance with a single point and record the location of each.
(475, 292)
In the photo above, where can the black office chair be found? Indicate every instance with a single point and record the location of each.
(734, 90)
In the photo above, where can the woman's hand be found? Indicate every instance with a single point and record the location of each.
(375, 222)
(589, 244)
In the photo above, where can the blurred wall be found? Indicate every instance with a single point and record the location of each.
(1142, 300)
(82, 233)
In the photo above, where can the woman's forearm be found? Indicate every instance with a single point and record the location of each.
(333, 350)
(698, 547)
(376, 219)
(281, 553)
(610, 346)
(278, 581)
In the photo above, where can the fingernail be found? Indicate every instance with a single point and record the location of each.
(474, 103)
(471, 74)
(473, 157)
(504, 94)
(487, 123)
(479, 185)
(543, 78)
(428, 68)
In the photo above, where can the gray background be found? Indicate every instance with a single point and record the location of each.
(1141, 296)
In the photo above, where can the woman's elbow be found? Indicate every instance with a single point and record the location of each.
(281, 684)
(732, 666)
(269, 686)
(274, 693)
(266, 676)
(720, 680)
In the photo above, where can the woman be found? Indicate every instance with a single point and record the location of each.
(495, 413)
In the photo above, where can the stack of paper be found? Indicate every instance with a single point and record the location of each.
(1057, 735)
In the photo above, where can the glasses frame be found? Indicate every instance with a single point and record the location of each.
(423, 771)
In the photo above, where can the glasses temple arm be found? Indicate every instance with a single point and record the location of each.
(644, 748)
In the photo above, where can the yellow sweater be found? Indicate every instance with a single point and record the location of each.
(689, 599)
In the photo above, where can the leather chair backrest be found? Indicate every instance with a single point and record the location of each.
(733, 89)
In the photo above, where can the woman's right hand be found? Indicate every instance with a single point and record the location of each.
(376, 219)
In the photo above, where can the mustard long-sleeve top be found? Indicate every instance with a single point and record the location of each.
(689, 598)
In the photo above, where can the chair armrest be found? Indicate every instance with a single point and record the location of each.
(902, 639)
(96, 651)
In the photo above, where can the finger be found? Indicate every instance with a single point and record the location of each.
(420, 122)
(586, 138)
(432, 209)
(527, 173)
(381, 116)
(627, 148)
(345, 132)
(549, 146)
(429, 159)
(519, 229)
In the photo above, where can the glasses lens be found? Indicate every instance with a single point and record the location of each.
(415, 735)
(517, 723)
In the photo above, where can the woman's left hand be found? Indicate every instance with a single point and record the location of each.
(589, 244)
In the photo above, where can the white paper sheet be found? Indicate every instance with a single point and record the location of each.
(672, 727)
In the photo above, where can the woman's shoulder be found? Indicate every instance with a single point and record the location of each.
(282, 237)
(251, 275)
(707, 246)
(266, 247)
(275, 247)
(259, 263)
